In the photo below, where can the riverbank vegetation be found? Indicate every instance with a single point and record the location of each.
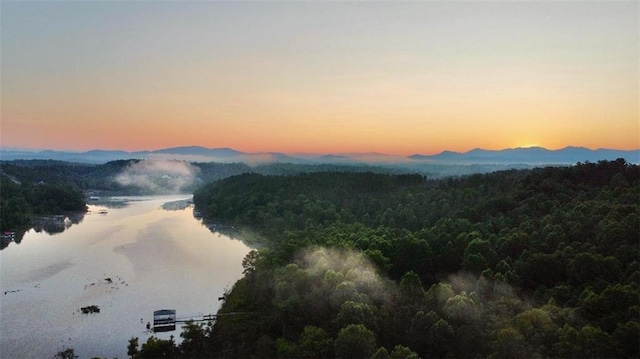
(147, 177)
(21, 201)
(512, 264)
(53, 179)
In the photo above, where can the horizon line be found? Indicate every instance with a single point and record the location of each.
(369, 153)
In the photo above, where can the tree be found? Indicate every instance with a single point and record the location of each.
(66, 354)
(355, 341)
(402, 352)
(156, 348)
(249, 262)
(356, 313)
(132, 348)
(626, 335)
(418, 334)
(411, 288)
(315, 343)
(594, 343)
(539, 330)
(381, 353)
(441, 338)
(194, 341)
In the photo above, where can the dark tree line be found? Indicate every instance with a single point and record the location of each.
(20, 201)
(49, 187)
(513, 264)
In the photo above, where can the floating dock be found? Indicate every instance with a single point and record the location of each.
(165, 320)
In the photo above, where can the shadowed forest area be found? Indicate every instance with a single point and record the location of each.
(512, 264)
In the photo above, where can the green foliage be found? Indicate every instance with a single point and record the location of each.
(132, 348)
(20, 201)
(156, 348)
(315, 343)
(513, 264)
(402, 352)
(355, 341)
(381, 353)
(194, 341)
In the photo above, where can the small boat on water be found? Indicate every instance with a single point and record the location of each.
(164, 320)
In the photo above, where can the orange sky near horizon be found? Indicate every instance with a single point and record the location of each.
(394, 78)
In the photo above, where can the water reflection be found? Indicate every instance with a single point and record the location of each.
(111, 202)
(177, 205)
(9, 237)
(58, 223)
(50, 225)
(136, 259)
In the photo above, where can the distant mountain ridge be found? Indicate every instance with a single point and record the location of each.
(199, 151)
(528, 156)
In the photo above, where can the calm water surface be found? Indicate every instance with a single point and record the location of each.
(155, 259)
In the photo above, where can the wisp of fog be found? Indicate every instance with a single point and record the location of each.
(158, 176)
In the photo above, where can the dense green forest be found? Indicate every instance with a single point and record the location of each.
(36, 187)
(20, 201)
(144, 177)
(512, 264)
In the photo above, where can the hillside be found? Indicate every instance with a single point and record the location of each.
(513, 264)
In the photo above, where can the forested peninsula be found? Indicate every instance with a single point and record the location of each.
(512, 264)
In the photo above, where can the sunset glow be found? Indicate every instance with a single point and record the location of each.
(320, 77)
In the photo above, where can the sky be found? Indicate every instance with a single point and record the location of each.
(319, 77)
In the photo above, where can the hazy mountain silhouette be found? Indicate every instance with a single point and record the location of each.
(331, 158)
(529, 156)
(200, 151)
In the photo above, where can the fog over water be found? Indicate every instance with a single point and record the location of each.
(158, 176)
(129, 262)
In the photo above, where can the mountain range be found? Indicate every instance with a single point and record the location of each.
(535, 156)
(531, 155)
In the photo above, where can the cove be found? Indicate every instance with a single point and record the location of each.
(136, 258)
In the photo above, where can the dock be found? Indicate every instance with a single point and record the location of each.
(165, 320)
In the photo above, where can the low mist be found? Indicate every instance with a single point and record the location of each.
(159, 176)
(349, 266)
(331, 277)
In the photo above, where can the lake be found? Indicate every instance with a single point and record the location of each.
(136, 258)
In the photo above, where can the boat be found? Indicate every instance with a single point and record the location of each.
(164, 320)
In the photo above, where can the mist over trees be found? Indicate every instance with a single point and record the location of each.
(530, 263)
(148, 177)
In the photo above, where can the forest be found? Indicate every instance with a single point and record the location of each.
(45, 187)
(512, 264)
(20, 201)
